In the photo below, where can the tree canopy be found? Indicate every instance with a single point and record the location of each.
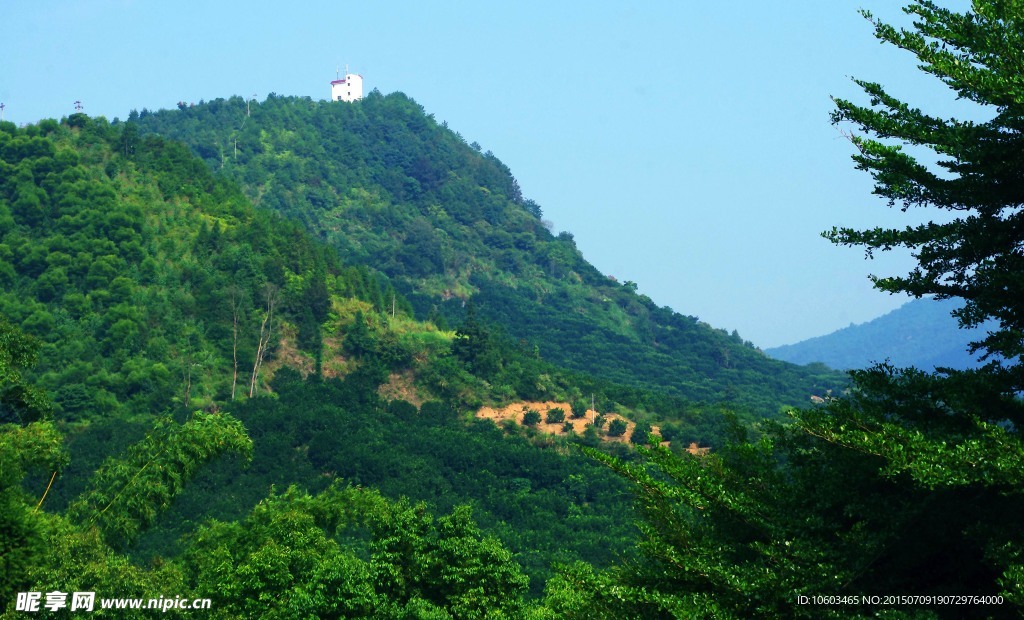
(978, 255)
(908, 483)
(960, 428)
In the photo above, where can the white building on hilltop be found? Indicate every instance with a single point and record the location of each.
(349, 88)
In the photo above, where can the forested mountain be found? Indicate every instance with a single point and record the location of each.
(234, 381)
(922, 333)
(148, 280)
(388, 186)
(162, 322)
(148, 288)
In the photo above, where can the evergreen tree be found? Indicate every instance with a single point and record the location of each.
(359, 341)
(476, 346)
(909, 484)
(617, 428)
(961, 428)
(979, 177)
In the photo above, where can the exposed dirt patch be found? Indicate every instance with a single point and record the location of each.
(335, 364)
(516, 411)
(288, 354)
(400, 386)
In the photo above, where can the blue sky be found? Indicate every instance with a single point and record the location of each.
(686, 145)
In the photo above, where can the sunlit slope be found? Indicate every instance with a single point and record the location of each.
(392, 188)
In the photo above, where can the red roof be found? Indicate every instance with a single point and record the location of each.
(333, 82)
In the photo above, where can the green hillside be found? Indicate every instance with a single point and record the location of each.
(148, 279)
(247, 375)
(149, 289)
(389, 186)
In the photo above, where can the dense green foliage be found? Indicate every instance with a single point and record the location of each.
(21, 541)
(149, 281)
(393, 560)
(127, 493)
(20, 401)
(543, 504)
(387, 185)
(911, 484)
(343, 552)
(198, 284)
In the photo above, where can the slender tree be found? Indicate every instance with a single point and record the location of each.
(235, 298)
(271, 293)
(187, 361)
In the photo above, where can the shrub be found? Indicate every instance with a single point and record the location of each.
(555, 415)
(531, 417)
(640, 432)
(617, 428)
(590, 436)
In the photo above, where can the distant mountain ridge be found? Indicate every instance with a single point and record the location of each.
(921, 333)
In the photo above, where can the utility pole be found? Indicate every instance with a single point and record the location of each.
(2, 106)
(78, 106)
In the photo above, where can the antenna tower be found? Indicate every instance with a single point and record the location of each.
(78, 106)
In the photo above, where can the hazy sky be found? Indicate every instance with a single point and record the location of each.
(686, 145)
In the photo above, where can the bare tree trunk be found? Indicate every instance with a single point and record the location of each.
(236, 307)
(266, 330)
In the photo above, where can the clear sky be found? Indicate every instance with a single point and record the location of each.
(686, 145)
